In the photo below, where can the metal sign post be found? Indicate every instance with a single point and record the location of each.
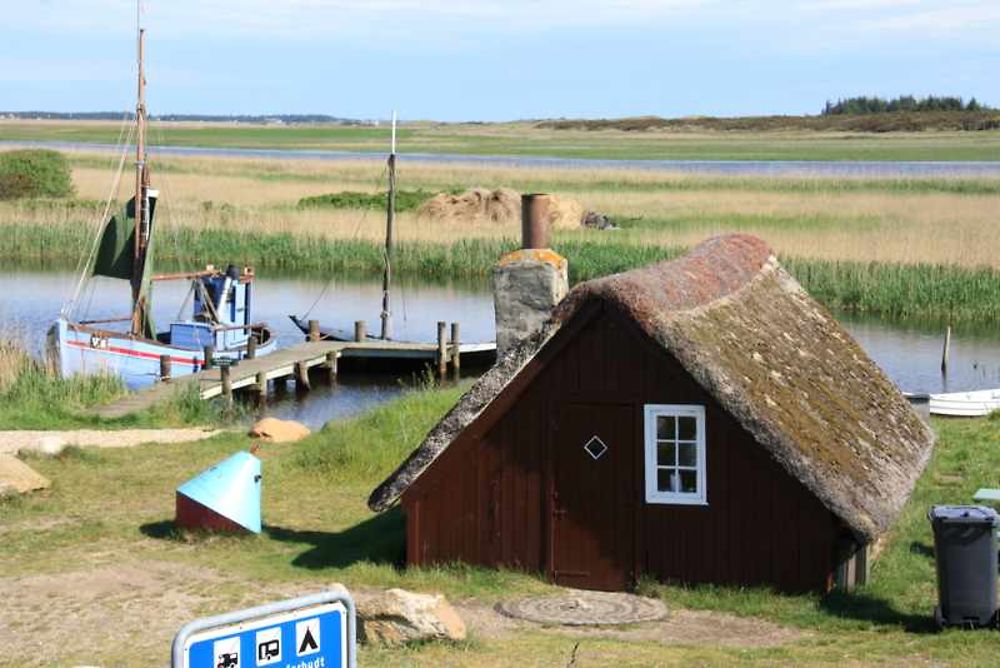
(317, 631)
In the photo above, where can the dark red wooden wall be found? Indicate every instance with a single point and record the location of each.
(517, 490)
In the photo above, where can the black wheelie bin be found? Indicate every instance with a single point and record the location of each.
(965, 547)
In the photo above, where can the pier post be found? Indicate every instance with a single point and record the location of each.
(946, 351)
(314, 330)
(442, 352)
(301, 377)
(227, 383)
(360, 333)
(251, 347)
(331, 366)
(208, 353)
(456, 356)
(261, 388)
(164, 367)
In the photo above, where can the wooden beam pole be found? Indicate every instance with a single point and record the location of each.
(442, 351)
(456, 357)
(301, 377)
(331, 366)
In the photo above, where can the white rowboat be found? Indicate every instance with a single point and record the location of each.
(965, 404)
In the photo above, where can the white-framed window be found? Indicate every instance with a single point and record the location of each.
(675, 454)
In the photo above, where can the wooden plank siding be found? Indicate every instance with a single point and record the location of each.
(489, 498)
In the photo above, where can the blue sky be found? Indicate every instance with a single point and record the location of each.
(495, 59)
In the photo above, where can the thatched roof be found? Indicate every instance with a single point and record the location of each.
(769, 354)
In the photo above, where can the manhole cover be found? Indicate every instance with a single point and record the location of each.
(578, 607)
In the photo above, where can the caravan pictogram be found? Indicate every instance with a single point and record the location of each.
(268, 643)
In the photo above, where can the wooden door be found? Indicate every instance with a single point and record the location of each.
(592, 504)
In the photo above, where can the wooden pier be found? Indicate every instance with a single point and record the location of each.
(293, 363)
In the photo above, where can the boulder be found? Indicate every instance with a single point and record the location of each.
(274, 430)
(396, 617)
(596, 220)
(17, 478)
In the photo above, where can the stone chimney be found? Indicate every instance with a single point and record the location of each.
(528, 283)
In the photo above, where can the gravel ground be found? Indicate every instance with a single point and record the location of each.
(14, 441)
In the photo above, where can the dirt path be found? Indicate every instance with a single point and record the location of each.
(13, 441)
(112, 614)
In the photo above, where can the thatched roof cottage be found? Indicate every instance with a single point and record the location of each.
(698, 420)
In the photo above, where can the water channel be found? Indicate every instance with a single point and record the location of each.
(773, 168)
(909, 352)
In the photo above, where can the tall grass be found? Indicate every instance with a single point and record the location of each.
(33, 396)
(928, 291)
(898, 290)
(372, 445)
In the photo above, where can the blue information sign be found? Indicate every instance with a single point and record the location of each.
(309, 632)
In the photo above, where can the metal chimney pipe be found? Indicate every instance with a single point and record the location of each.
(535, 220)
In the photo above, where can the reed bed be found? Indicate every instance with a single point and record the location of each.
(948, 292)
(910, 220)
(893, 246)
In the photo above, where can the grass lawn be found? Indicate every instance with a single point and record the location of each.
(527, 139)
(96, 559)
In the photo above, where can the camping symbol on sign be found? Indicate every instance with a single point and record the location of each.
(315, 631)
(307, 636)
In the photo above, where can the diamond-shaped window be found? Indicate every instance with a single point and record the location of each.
(595, 447)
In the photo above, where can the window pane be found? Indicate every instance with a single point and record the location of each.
(687, 427)
(666, 427)
(689, 482)
(688, 454)
(665, 453)
(667, 480)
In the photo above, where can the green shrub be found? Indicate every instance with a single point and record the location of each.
(406, 200)
(34, 173)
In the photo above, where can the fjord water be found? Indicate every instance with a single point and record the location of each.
(909, 352)
(827, 168)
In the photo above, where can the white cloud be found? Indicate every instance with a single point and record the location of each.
(951, 18)
(339, 17)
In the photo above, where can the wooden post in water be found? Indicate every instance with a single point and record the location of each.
(261, 388)
(314, 330)
(227, 383)
(442, 352)
(360, 331)
(301, 377)
(390, 217)
(164, 367)
(456, 356)
(946, 351)
(252, 347)
(331, 366)
(207, 352)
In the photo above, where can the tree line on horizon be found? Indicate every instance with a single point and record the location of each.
(864, 104)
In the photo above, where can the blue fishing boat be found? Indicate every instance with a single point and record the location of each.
(220, 325)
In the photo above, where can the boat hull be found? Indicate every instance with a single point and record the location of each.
(86, 350)
(965, 404)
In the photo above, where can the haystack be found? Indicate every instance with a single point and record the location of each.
(499, 207)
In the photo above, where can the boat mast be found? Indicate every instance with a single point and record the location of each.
(390, 219)
(141, 193)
